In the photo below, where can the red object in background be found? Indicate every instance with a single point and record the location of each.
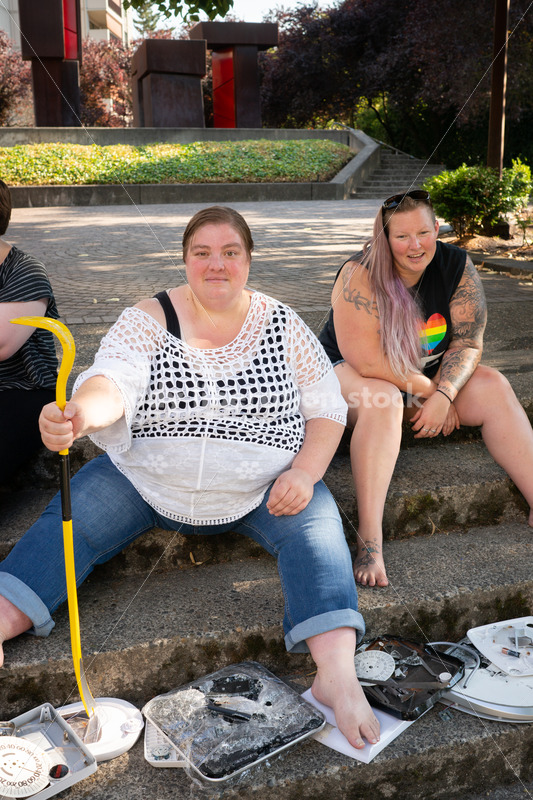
(70, 29)
(223, 89)
(51, 39)
(234, 47)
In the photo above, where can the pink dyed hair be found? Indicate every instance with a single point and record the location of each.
(399, 313)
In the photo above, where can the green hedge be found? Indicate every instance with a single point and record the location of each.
(256, 161)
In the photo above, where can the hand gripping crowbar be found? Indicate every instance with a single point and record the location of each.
(67, 360)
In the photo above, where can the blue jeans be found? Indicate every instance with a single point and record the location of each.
(108, 513)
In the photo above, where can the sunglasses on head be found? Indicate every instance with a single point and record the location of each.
(396, 199)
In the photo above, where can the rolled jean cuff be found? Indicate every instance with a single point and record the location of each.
(295, 639)
(28, 602)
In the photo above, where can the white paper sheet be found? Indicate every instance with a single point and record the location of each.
(390, 728)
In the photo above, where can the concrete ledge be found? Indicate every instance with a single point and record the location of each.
(361, 167)
(139, 194)
(365, 161)
(142, 136)
(502, 264)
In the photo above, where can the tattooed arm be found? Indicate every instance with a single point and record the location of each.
(357, 328)
(468, 311)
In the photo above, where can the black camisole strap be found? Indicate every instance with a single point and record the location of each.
(173, 324)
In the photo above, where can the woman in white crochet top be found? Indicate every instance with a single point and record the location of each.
(218, 410)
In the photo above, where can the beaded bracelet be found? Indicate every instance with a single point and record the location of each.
(445, 395)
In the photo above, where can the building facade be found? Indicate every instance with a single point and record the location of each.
(9, 20)
(107, 19)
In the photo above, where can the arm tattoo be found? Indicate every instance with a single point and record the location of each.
(354, 296)
(458, 366)
(468, 311)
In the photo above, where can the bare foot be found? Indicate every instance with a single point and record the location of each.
(336, 685)
(369, 566)
(353, 714)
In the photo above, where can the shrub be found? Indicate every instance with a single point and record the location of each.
(472, 199)
(15, 80)
(517, 185)
(105, 84)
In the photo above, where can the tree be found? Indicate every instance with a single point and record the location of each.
(189, 10)
(322, 68)
(15, 81)
(105, 83)
(147, 19)
(424, 83)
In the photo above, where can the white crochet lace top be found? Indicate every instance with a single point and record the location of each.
(205, 431)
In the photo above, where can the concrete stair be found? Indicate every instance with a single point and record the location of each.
(170, 609)
(141, 638)
(397, 172)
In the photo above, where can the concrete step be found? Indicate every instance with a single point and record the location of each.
(399, 160)
(395, 184)
(435, 487)
(373, 192)
(433, 759)
(145, 635)
(400, 168)
(406, 169)
(396, 172)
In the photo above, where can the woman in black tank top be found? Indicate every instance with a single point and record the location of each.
(405, 334)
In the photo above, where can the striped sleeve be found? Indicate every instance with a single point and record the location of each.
(34, 366)
(23, 279)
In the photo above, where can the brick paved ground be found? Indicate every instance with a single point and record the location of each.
(103, 258)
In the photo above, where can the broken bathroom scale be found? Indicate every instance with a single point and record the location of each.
(508, 645)
(228, 721)
(492, 694)
(405, 678)
(496, 685)
(41, 755)
(120, 725)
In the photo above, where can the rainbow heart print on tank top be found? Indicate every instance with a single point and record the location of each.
(432, 333)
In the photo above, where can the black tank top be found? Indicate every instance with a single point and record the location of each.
(173, 324)
(434, 290)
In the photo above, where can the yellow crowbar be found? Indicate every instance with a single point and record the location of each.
(67, 360)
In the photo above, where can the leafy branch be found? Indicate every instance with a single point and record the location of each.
(189, 11)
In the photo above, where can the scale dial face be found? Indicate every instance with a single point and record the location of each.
(374, 665)
(24, 767)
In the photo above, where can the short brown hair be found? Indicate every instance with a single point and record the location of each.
(5, 207)
(218, 215)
